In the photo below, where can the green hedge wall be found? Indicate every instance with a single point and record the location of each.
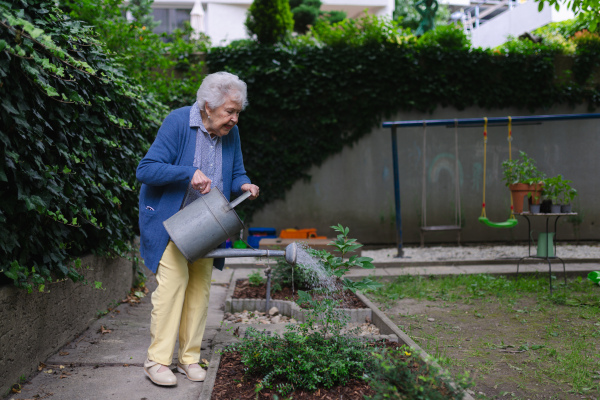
(73, 131)
(307, 102)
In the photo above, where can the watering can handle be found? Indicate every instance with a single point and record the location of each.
(240, 199)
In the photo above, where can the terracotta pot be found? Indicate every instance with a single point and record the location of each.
(519, 191)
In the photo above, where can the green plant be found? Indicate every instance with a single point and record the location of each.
(302, 361)
(270, 20)
(400, 374)
(73, 130)
(559, 190)
(521, 170)
(256, 278)
(338, 266)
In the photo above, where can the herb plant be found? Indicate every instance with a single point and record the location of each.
(256, 278)
(521, 170)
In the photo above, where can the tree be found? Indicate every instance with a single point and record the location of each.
(163, 64)
(270, 20)
(589, 8)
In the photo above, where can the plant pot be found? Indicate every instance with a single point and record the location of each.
(534, 208)
(519, 191)
(555, 209)
(546, 206)
(565, 208)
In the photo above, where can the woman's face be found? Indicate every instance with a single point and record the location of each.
(223, 118)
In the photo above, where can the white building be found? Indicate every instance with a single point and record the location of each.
(489, 22)
(223, 20)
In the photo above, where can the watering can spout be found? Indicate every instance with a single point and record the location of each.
(290, 253)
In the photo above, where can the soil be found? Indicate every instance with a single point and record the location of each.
(243, 290)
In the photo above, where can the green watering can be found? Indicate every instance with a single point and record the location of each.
(545, 246)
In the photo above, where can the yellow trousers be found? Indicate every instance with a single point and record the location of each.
(180, 303)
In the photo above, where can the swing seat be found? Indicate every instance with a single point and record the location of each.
(510, 223)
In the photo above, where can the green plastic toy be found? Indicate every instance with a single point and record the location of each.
(594, 276)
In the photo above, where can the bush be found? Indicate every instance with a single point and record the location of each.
(400, 374)
(73, 131)
(317, 361)
(270, 20)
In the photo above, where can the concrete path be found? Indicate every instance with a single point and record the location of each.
(108, 366)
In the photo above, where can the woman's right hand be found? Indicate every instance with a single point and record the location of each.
(201, 182)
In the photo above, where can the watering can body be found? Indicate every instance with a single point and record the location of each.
(545, 247)
(204, 224)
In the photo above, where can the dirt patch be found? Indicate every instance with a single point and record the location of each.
(243, 290)
(507, 347)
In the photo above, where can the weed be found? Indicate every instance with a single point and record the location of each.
(256, 278)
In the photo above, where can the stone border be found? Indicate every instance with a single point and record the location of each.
(211, 373)
(288, 308)
(378, 318)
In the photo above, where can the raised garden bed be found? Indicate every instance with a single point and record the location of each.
(242, 296)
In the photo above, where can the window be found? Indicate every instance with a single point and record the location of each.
(170, 19)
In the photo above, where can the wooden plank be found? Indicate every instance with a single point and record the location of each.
(280, 244)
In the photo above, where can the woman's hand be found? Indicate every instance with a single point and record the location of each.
(248, 187)
(201, 182)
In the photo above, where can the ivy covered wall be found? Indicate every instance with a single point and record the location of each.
(307, 102)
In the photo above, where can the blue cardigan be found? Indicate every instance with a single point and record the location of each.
(165, 173)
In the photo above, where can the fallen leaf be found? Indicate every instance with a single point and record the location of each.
(205, 361)
(61, 366)
(126, 365)
(104, 330)
(64, 375)
(16, 388)
(239, 385)
(48, 371)
(63, 353)
(41, 366)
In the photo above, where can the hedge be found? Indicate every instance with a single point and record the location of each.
(73, 130)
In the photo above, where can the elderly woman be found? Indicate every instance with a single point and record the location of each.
(197, 149)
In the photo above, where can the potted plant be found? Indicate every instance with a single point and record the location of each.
(552, 191)
(523, 179)
(567, 195)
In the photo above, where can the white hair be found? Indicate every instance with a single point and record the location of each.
(215, 88)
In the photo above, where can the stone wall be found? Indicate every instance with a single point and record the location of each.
(36, 325)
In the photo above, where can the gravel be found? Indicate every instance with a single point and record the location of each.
(455, 253)
(482, 252)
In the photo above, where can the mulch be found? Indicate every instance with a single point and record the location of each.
(243, 290)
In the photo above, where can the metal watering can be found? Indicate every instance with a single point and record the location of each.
(209, 221)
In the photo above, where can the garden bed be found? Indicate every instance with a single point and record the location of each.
(225, 377)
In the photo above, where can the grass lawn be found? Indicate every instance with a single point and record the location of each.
(515, 340)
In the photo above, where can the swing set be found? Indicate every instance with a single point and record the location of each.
(511, 221)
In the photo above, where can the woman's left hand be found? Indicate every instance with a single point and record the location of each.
(248, 187)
